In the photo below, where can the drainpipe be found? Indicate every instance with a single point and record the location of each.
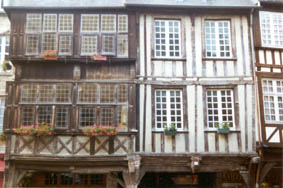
(256, 95)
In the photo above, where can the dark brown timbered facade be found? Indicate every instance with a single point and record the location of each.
(268, 40)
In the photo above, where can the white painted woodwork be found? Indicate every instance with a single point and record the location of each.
(242, 114)
(276, 137)
(191, 100)
(235, 72)
(148, 132)
(211, 142)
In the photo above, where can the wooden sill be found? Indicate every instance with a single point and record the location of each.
(167, 59)
(219, 59)
(176, 132)
(215, 131)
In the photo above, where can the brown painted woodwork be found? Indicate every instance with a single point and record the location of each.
(260, 76)
(18, 39)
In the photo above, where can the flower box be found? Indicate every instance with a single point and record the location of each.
(42, 129)
(170, 132)
(50, 58)
(2, 137)
(223, 127)
(49, 55)
(98, 57)
(100, 130)
(223, 131)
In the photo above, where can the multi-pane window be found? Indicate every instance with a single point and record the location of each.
(98, 104)
(44, 114)
(122, 45)
(45, 93)
(220, 107)
(4, 48)
(2, 109)
(89, 23)
(108, 44)
(65, 45)
(32, 47)
(89, 45)
(45, 29)
(110, 30)
(167, 38)
(108, 23)
(88, 93)
(271, 29)
(33, 23)
(48, 42)
(27, 118)
(217, 39)
(51, 179)
(45, 96)
(87, 116)
(97, 179)
(74, 179)
(50, 23)
(273, 100)
(28, 93)
(62, 116)
(66, 22)
(110, 105)
(168, 108)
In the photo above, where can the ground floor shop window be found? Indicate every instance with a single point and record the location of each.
(52, 179)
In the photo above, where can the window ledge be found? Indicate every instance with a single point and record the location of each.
(215, 131)
(159, 131)
(219, 59)
(167, 59)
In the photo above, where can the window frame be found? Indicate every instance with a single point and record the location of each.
(217, 38)
(98, 105)
(271, 14)
(275, 95)
(219, 103)
(183, 108)
(167, 50)
(43, 32)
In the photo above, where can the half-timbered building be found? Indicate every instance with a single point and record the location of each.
(169, 74)
(195, 72)
(72, 92)
(268, 44)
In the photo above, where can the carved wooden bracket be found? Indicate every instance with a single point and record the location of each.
(246, 176)
(134, 162)
(195, 163)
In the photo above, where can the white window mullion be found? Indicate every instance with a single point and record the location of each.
(168, 104)
(276, 107)
(167, 40)
(219, 103)
(217, 40)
